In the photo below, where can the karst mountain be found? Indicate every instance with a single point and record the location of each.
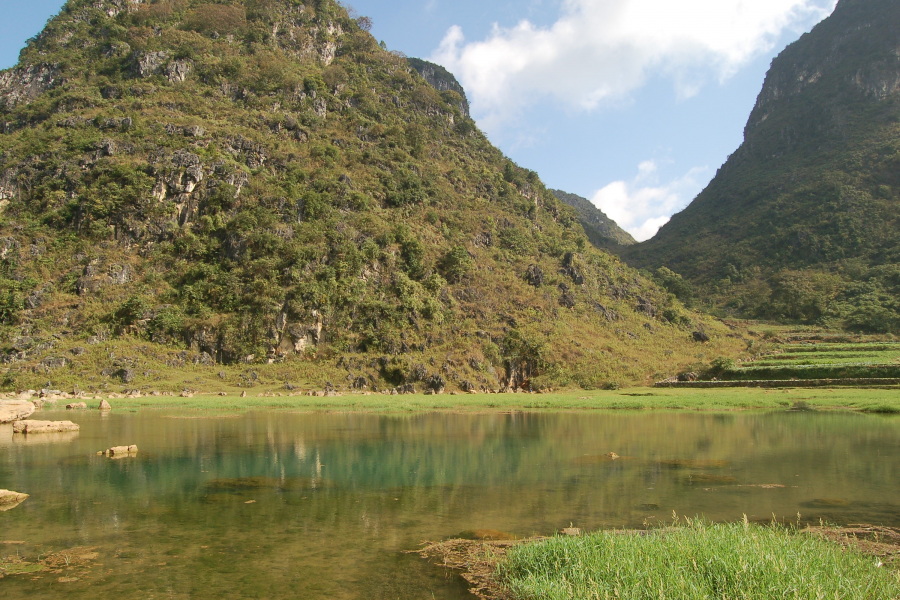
(801, 222)
(261, 182)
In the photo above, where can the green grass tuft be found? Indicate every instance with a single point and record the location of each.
(693, 561)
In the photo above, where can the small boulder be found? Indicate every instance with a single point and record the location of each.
(700, 337)
(76, 406)
(15, 410)
(44, 426)
(534, 276)
(104, 405)
(120, 451)
(244, 394)
(10, 499)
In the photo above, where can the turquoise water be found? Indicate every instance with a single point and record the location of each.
(291, 505)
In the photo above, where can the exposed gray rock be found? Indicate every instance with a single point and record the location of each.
(436, 384)
(646, 306)
(571, 270)
(178, 70)
(534, 276)
(442, 80)
(148, 64)
(23, 84)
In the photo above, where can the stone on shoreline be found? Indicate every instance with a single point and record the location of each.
(76, 406)
(104, 405)
(44, 426)
(15, 410)
(10, 500)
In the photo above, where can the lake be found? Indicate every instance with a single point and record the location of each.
(283, 504)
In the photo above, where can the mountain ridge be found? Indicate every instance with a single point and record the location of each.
(800, 223)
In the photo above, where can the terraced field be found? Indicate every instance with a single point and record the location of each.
(812, 360)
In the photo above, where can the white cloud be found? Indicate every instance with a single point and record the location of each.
(599, 51)
(642, 206)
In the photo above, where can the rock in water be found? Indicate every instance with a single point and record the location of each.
(104, 405)
(120, 451)
(10, 500)
(44, 426)
(15, 410)
(76, 405)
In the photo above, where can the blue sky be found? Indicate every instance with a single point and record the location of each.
(631, 103)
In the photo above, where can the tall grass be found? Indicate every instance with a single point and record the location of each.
(696, 560)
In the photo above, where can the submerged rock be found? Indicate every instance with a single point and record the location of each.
(120, 451)
(10, 499)
(44, 426)
(15, 410)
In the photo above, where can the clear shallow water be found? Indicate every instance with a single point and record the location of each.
(336, 498)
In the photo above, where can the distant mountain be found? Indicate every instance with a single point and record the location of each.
(261, 183)
(600, 229)
(803, 221)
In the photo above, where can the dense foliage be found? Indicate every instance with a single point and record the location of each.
(800, 224)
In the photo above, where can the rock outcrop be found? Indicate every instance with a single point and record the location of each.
(442, 80)
(15, 410)
(29, 427)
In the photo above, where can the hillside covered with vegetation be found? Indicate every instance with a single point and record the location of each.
(600, 229)
(195, 184)
(801, 223)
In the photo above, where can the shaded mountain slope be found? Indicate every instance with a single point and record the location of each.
(600, 229)
(801, 222)
(259, 182)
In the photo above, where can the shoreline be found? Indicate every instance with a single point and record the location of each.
(870, 401)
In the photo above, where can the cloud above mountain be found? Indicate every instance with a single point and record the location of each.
(600, 51)
(643, 205)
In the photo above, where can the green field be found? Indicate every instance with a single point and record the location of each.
(868, 400)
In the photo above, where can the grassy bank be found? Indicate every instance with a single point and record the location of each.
(695, 560)
(866, 400)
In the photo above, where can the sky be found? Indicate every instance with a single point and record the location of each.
(633, 104)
